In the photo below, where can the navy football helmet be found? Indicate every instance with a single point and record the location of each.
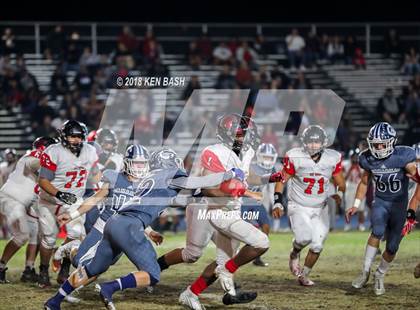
(136, 161)
(314, 140)
(416, 147)
(381, 140)
(165, 159)
(266, 156)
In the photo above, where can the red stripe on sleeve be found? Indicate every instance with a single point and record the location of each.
(46, 162)
(211, 162)
(338, 167)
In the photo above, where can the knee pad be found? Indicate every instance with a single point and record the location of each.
(261, 242)
(378, 232)
(20, 238)
(316, 248)
(191, 253)
(302, 241)
(48, 241)
(75, 230)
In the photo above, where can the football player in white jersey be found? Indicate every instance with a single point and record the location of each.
(309, 169)
(7, 166)
(239, 140)
(353, 174)
(17, 197)
(65, 168)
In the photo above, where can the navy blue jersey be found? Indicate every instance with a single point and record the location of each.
(121, 190)
(391, 182)
(153, 195)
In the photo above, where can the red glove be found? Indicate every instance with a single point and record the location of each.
(408, 227)
(233, 188)
(409, 223)
(276, 177)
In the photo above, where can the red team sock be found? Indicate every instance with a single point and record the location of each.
(231, 266)
(199, 285)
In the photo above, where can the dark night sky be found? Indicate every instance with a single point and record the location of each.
(211, 11)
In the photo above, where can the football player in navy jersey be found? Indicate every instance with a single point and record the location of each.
(390, 166)
(124, 231)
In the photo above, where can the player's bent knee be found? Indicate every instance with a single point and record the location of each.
(20, 238)
(262, 242)
(303, 241)
(48, 241)
(191, 253)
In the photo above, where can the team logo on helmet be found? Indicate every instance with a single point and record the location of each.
(136, 161)
(381, 140)
(266, 156)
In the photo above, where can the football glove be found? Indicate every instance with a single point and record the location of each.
(410, 222)
(67, 198)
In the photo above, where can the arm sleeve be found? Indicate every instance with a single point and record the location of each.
(210, 180)
(210, 161)
(46, 174)
(338, 167)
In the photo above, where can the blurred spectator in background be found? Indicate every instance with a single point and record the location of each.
(58, 82)
(244, 53)
(312, 49)
(225, 80)
(295, 45)
(389, 108)
(349, 49)
(8, 45)
(42, 110)
(56, 42)
(392, 43)
(301, 82)
(323, 48)
(12, 89)
(335, 49)
(27, 80)
(411, 62)
(359, 60)
(83, 81)
(8, 165)
(243, 75)
(194, 55)
(269, 136)
(151, 48)
(158, 69)
(128, 40)
(261, 46)
(89, 60)
(46, 128)
(222, 54)
(205, 47)
(73, 52)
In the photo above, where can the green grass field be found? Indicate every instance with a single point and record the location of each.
(277, 288)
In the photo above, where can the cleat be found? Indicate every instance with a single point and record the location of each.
(417, 271)
(3, 279)
(362, 227)
(361, 280)
(51, 304)
(29, 275)
(305, 281)
(294, 264)
(379, 287)
(64, 271)
(240, 298)
(105, 296)
(259, 262)
(190, 300)
(226, 280)
(44, 277)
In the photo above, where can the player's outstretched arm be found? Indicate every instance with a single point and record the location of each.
(413, 172)
(360, 194)
(206, 181)
(278, 208)
(85, 206)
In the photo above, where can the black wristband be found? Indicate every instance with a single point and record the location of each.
(411, 214)
(278, 197)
